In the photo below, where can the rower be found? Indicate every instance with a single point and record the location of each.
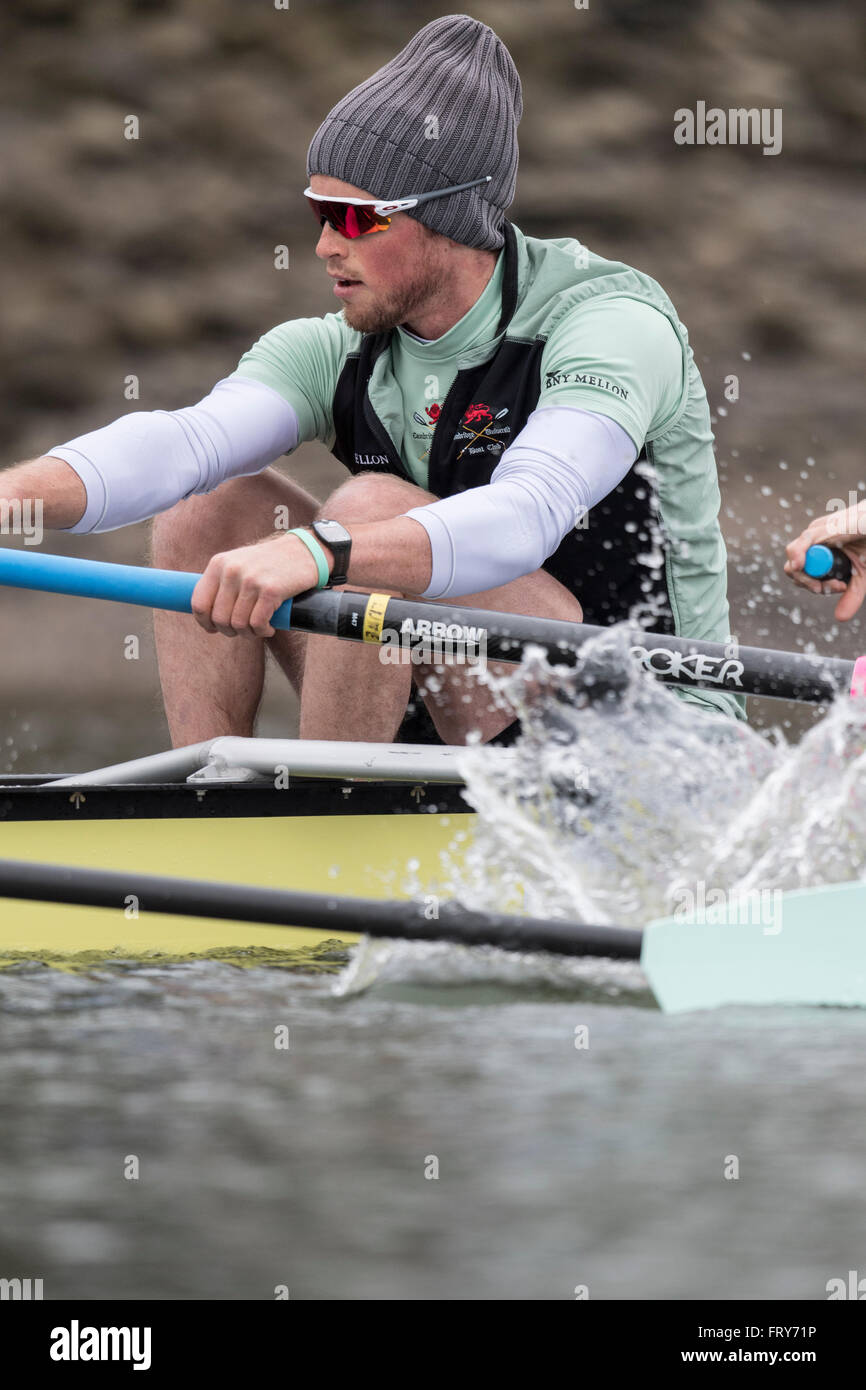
(523, 422)
(829, 557)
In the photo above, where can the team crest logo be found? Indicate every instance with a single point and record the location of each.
(477, 426)
(428, 421)
(476, 422)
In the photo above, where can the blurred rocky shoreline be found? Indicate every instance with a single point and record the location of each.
(153, 258)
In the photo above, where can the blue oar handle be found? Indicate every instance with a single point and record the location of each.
(63, 574)
(823, 562)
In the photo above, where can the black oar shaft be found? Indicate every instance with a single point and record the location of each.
(320, 911)
(379, 619)
(677, 660)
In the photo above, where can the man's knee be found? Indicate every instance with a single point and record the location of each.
(236, 513)
(373, 497)
(198, 526)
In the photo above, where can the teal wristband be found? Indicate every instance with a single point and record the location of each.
(317, 553)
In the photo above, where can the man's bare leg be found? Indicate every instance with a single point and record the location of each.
(349, 693)
(211, 684)
(460, 703)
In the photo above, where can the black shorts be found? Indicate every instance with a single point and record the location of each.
(418, 727)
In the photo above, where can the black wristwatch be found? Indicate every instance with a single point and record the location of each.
(339, 542)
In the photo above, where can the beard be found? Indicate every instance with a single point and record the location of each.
(394, 306)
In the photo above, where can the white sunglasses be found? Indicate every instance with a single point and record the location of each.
(354, 217)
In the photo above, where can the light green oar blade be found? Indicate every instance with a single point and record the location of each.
(806, 947)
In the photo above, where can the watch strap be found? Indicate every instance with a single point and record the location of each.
(317, 553)
(340, 549)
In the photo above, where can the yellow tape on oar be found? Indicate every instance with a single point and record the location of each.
(374, 617)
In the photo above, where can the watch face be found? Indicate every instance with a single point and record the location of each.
(333, 530)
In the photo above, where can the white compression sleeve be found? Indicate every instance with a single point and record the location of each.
(562, 463)
(144, 462)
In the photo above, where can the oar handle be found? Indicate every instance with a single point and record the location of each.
(825, 562)
(149, 588)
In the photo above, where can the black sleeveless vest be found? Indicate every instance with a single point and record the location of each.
(598, 561)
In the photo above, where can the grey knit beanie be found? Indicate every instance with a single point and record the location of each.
(444, 111)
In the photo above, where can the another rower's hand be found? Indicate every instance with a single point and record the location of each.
(845, 530)
(241, 590)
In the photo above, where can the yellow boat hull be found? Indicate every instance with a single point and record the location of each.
(358, 855)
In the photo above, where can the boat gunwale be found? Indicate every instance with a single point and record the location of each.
(314, 796)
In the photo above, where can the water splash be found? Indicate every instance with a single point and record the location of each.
(616, 804)
(439, 965)
(612, 801)
(805, 824)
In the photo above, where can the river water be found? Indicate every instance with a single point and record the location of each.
(446, 1124)
(313, 1167)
